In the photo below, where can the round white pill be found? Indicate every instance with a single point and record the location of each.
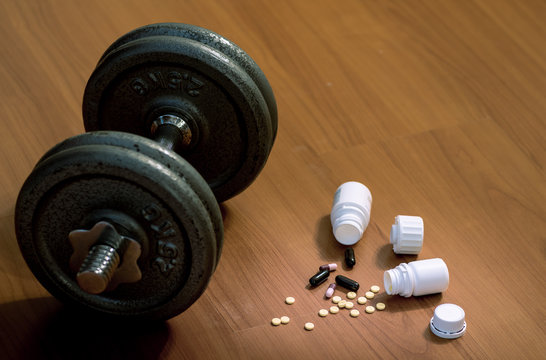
(370, 309)
(323, 312)
(276, 321)
(369, 294)
(349, 305)
(309, 326)
(341, 304)
(355, 313)
(375, 288)
(380, 306)
(336, 299)
(285, 319)
(289, 300)
(351, 295)
(361, 300)
(334, 309)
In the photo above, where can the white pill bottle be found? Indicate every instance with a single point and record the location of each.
(417, 278)
(350, 214)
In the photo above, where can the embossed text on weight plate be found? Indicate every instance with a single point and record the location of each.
(167, 252)
(166, 80)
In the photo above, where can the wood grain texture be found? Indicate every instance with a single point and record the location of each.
(437, 106)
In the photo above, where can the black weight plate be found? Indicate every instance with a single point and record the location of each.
(164, 156)
(70, 184)
(233, 121)
(215, 41)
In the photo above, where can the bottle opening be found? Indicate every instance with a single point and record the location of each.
(387, 282)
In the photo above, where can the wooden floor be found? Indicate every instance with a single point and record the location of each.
(437, 106)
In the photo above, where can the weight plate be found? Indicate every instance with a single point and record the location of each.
(68, 185)
(213, 40)
(163, 74)
(165, 157)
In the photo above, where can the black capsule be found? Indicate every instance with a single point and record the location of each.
(347, 283)
(350, 257)
(319, 278)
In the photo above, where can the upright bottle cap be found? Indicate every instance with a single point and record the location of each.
(448, 321)
(407, 234)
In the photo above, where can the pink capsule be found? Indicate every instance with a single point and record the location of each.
(330, 290)
(329, 267)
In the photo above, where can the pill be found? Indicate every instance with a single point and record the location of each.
(309, 326)
(347, 283)
(375, 288)
(351, 295)
(289, 300)
(334, 309)
(370, 309)
(380, 306)
(361, 300)
(369, 294)
(349, 305)
(323, 312)
(354, 313)
(330, 290)
(329, 267)
(341, 304)
(276, 321)
(285, 319)
(350, 260)
(319, 278)
(336, 299)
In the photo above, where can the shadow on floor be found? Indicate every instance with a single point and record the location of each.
(43, 328)
(330, 249)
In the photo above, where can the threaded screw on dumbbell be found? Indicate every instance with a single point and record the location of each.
(97, 269)
(101, 262)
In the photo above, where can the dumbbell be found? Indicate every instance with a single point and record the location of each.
(124, 221)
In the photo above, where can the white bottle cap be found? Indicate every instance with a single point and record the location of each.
(348, 229)
(407, 234)
(448, 321)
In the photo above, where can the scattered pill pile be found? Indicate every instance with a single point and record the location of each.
(349, 305)
(339, 303)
